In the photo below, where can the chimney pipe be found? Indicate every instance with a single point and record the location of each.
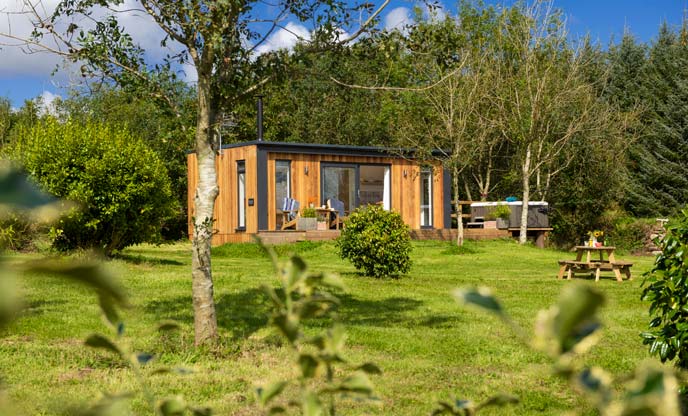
(259, 118)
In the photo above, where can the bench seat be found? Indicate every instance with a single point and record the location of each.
(569, 267)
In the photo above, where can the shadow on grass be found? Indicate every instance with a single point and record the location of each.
(39, 307)
(394, 311)
(141, 259)
(241, 313)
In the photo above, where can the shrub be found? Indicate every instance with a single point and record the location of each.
(17, 232)
(666, 288)
(120, 186)
(376, 241)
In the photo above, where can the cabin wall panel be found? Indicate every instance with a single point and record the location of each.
(305, 187)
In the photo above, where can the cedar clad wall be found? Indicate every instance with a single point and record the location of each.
(226, 220)
(405, 191)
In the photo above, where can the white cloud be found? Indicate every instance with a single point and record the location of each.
(189, 74)
(46, 103)
(17, 62)
(284, 38)
(436, 14)
(397, 18)
(20, 61)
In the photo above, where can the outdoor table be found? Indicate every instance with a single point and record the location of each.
(595, 261)
(602, 251)
(324, 212)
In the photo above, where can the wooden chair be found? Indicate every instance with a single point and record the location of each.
(339, 215)
(290, 212)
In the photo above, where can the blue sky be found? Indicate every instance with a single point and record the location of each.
(27, 76)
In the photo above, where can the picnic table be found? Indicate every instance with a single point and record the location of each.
(596, 262)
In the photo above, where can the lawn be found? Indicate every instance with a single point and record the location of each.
(428, 347)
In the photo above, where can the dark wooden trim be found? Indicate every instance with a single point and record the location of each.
(262, 188)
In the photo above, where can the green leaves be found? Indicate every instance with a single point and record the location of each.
(481, 297)
(302, 296)
(18, 192)
(565, 327)
(376, 241)
(100, 341)
(266, 394)
(666, 289)
(120, 184)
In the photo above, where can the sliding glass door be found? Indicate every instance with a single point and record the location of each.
(341, 182)
(357, 185)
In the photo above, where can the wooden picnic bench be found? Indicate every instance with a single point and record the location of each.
(571, 267)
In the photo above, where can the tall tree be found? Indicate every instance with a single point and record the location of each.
(219, 38)
(659, 185)
(445, 120)
(543, 98)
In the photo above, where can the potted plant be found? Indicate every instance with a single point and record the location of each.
(490, 220)
(307, 220)
(323, 221)
(502, 212)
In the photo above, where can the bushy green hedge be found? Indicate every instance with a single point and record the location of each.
(666, 288)
(376, 241)
(120, 186)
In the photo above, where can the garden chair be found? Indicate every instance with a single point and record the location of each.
(290, 212)
(339, 215)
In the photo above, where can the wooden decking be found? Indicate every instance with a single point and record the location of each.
(280, 237)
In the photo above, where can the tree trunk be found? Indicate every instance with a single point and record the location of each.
(205, 320)
(457, 208)
(523, 232)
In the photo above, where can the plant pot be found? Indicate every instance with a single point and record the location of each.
(490, 225)
(306, 223)
(322, 226)
(502, 224)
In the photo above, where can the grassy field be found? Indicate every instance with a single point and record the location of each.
(428, 347)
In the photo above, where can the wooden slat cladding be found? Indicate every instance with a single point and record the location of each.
(305, 187)
(225, 214)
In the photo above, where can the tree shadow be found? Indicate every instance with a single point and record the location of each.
(241, 313)
(38, 307)
(141, 259)
(394, 311)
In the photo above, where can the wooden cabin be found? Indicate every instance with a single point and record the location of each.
(255, 177)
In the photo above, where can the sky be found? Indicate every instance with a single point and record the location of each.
(26, 76)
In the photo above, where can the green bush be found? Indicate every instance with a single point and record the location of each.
(666, 288)
(18, 232)
(376, 241)
(119, 185)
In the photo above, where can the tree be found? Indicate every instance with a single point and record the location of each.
(220, 39)
(659, 185)
(166, 133)
(120, 185)
(543, 98)
(447, 120)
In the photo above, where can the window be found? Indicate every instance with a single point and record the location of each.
(340, 182)
(357, 185)
(241, 195)
(282, 186)
(426, 198)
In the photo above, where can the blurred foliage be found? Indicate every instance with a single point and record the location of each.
(322, 367)
(570, 328)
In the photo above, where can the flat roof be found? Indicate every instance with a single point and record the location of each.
(325, 149)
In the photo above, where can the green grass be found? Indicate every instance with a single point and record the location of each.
(428, 347)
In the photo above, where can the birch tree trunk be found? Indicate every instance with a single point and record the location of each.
(457, 208)
(523, 232)
(205, 320)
